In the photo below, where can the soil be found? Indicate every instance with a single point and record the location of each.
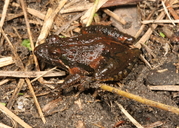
(92, 108)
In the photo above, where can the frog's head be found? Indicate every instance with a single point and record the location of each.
(50, 52)
(42, 52)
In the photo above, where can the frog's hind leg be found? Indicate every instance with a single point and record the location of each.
(106, 72)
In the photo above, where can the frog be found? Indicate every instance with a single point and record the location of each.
(98, 53)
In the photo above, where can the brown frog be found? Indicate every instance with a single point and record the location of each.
(99, 53)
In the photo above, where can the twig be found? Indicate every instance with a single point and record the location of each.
(36, 63)
(73, 9)
(140, 99)
(6, 61)
(12, 16)
(146, 36)
(31, 11)
(166, 11)
(6, 4)
(70, 3)
(30, 74)
(36, 13)
(15, 93)
(145, 61)
(50, 16)
(129, 116)
(20, 64)
(13, 116)
(27, 23)
(4, 126)
(115, 16)
(43, 74)
(4, 81)
(154, 125)
(169, 4)
(13, 50)
(143, 26)
(159, 21)
(65, 26)
(164, 87)
(111, 3)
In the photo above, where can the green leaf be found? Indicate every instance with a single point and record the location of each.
(21, 94)
(96, 14)
(3, 104)
(62, 36)
(26, 43)
(162, 34)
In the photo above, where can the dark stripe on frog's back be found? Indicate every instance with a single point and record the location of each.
(80, 40)
(109, 31)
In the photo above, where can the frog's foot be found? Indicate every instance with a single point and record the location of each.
(71, 80)
(77, 81)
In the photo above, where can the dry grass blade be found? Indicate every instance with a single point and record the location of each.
(86, 16)
(83, 7)
(129, 116)
(4, 126)
(35, 100)
(49, 21)
(15, 93)
(30, 74)
(166, 11)
(43, 74)
(164, 87)
(13, 116)
(92, 13)
(16, 57)
(111, 3)
(115, 16)
(6, 61)
(154, 125)
(66, 25)
(171, 10)
(4, 12)
(20, 64)
(4, 81)
(143, 26)
(12, 16)
(36, 13)
(140, 99)
(27, 23)
(32, 46)
(146, 36)
(159, 21)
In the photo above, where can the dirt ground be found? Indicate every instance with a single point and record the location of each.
(94, 107)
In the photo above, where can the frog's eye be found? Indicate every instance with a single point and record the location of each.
(56, 53)
(53, 39)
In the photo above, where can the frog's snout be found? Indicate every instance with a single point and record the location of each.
(41, 51)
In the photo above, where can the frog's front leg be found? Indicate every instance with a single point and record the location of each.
(76, 75)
